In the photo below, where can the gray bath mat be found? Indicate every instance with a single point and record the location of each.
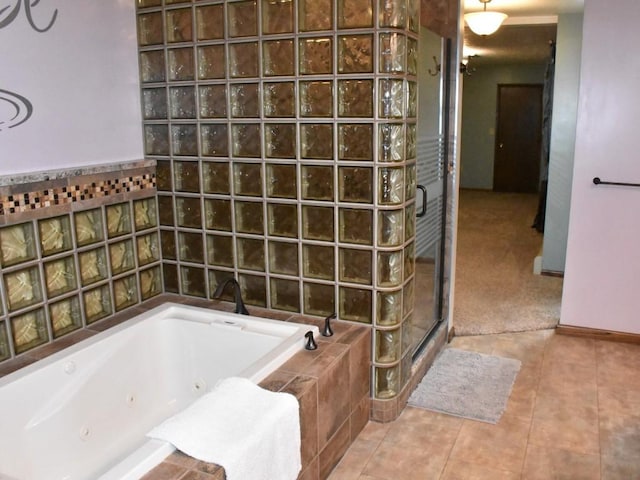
(467, 384)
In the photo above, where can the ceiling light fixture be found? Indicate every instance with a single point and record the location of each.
(485, 23)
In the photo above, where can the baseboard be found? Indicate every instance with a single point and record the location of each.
(598, 334)
(451, 334)
(552, 273)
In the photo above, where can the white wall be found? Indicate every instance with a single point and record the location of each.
(601, 288)
(81, 78)
(563, 136)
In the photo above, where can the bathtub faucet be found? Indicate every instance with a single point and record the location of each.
(237, 295)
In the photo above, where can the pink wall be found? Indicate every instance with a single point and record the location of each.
(602, 277)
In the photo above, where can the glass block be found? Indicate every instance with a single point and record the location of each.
(181, 65)
(282, 181)
(409, 222)
(118, 220)
(122, 256)
(156, 139)
(355, 141)
(278, 58)
(249, 217)
(317, 182)
(247, 179)
(413, 12)
(152, 66)
(183, 102)
(189, 212)
(393, 52)
(215, 177)
(316, 99)
(316, 141)
(355, 304)
(277, 16)
(314, 15)
(93, 266)
(210, 22)
(18, 244)
(220, 250)
(391, 142)
(355, 98)
(279, 99)
(150, 283)
(317, 223)
(355, 13)
(318, 261)
(125, 292)
(388, 345)
(165, 209)
(316, 56)
(280, 140)
(243, 60)
(55, 234)
(412, 99)
(163, 176)
(407, 336)
(391, 93)
(390, 185)
(149, 3)
(408, 297)
(147, 248)
(144, 213)
(283, 220)
(355, 184)
(412, 56)
(190, 248)
(217, 214)
(184, 139)
(285, 294)
(390, 229)
(97, 304)
(411, 141)
(216, 277)
(389, 308)
(283, 258)
(150, 30)
(29, 330)
(251, 254)
(65, 316)
(170, 278)
(193, 281)
(392, 13)
(246, 140)
(405, 367)
(245, 102)
(213, 101)
(186, 176)
(390, 269)
(215, 140)
(168, 244)
(211, 62)
(411, 181)
(356, 226)
(319, 299)
(387, 382)
(355, 54)
(154, 103)
(254, 289)
(5, 350)
(60, 276)
(179, 27)
(409, 260)
(243, 18)
(355, 266)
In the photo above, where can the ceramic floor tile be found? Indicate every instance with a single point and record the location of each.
(459, 470)
(577, 434)
(354, 461)
(407, 463)
(544, 463)
(432, 431)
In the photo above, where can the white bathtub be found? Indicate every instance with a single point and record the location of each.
(83, 413)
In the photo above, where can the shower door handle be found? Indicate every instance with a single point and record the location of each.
(423, 211)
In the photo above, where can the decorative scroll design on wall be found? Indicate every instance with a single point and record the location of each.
(9, 14)
(21, 105)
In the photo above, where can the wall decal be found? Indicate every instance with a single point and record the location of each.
(22, 106)
(9, 14)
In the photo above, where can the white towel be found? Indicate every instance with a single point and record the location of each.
(252, 432)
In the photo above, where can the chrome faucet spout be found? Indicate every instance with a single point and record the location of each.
(237, 295)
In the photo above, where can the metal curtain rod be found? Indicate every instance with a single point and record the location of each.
(597, 181)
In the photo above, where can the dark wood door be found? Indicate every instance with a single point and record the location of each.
(518, 139)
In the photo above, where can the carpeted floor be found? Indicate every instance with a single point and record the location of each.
(496, 290)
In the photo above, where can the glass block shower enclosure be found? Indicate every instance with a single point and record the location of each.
(285, 138)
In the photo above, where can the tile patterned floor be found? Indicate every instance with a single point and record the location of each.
(574, 414)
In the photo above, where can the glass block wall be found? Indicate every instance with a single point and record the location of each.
(285, 138)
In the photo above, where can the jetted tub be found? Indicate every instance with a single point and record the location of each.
(83, 413)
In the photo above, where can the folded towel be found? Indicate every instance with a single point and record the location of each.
(251, 432)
